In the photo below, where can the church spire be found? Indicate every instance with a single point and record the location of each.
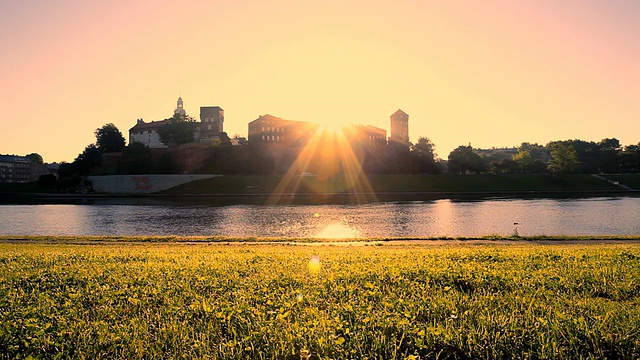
(180, 107)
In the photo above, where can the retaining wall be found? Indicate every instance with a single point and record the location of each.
(141, 184)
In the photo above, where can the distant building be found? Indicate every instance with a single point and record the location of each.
(400, 128)
(211, 124)
(268, 129)
(497, 153)
(368, 135)
(179, 108)
(210, 127)
(19, 169)
(147, 133)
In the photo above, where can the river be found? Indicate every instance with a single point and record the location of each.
(453, 218)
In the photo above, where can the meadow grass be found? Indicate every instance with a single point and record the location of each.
(241, 301)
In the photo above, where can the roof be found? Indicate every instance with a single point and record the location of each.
(373, 128)
(267, 117)
(399, 112)
(141, 125)
(14, 159)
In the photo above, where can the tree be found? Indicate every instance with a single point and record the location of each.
(47, 181)
(505, 166)
(136, 159)
(424, 148)
(180, 129)
(564, 158)
(610, 150)
(630, 159)
(524, 160)
(588, 155)
(35, 158)
(422, 158)
(537, 152)
(463, 159)
(88, 160)
(109, 138)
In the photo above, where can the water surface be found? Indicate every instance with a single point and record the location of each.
(591, 216)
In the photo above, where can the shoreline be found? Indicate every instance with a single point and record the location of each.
(207, 241)
(327, 198)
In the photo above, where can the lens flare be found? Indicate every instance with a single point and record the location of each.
(334, 155)
(314, 265)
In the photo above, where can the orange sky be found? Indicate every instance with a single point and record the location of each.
(487, 73)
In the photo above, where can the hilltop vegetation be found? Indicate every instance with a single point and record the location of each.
(276, 302)
(394, 183)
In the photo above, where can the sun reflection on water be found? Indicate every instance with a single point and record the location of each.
(337, 231)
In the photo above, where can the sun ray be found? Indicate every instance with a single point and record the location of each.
(334, 155)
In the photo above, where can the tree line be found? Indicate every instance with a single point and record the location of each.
(556, 157)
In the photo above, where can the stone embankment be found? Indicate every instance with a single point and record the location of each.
(141, 184)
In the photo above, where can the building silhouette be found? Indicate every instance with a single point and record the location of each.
(211, 124)
(269, 129)
(399, 128)
(179, 108)
(208, 130)
(20, 169)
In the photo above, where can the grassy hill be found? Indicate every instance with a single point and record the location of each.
(393, 183)
(631, 180)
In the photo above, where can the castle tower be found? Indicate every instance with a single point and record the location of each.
(180, 107)
(399, 127)
(211, 123)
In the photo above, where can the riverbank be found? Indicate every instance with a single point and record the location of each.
(225, 240)
(383, 184)
(260, 190)
(279, 301)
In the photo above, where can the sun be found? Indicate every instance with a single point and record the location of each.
(334, 155)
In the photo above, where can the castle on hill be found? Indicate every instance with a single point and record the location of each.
(209, 129)
(270, 130)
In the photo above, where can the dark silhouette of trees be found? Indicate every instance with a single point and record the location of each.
(587, 153)
(423, 158)
(35, 158)
(83, 164)
(505, 166)
(531, 158)
(610, 150)
(139, 159)
(136, 159)
(47, 181)
(630, 159)
(464, 160)
(179, 129)
(109, 138)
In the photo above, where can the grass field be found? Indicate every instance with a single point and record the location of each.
(142, 301)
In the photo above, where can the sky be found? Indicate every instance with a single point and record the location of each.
(489, 73)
